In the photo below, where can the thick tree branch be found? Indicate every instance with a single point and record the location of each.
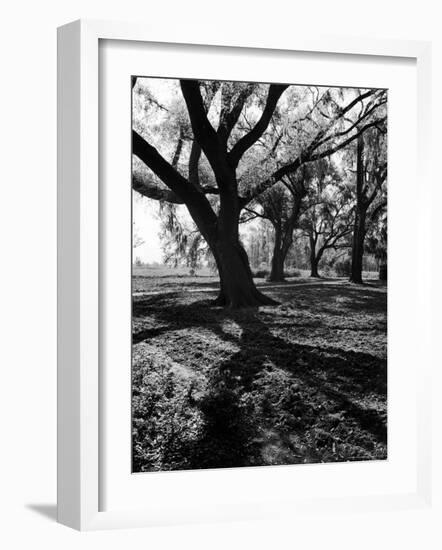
(143, 185)
(180, 190)
(195, 151)
(178, 149)
(194, 158)
(152, 191)
(196, 201)
(159, 166)
(272, 180)
(203, 131)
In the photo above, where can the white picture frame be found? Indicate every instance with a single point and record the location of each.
(79, 274)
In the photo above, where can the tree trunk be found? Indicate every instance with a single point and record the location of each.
(237, 288)
(314, 268)
(221, 230)
(277, 266)
(314, 260)
(357, 252)
(283, 232)
(277, 269)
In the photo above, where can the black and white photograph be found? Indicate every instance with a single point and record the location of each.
(221, 275)
(259, 274)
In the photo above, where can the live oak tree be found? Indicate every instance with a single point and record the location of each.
(328, 216)
(220, 230)
(215, 203)
(282, 209)
(281, 205)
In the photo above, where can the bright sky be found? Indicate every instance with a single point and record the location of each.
(145, 211)
(147, 226)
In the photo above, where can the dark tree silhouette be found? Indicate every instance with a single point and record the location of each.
(220, 231)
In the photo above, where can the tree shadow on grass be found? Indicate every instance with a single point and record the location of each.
(339, 374)
(168, 314)
(317, 298)
(326, 296)
(276, 401)
(336, 298)
(247, 396)
(298, 393)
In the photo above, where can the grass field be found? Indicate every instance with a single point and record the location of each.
(301, 382)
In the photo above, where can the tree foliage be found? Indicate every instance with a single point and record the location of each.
(232, 152)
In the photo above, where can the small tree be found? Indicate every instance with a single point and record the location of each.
(327, 219)
(281, 205)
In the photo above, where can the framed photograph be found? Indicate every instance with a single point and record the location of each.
(231, 342)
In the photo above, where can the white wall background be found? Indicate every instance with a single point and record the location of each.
(28, 274)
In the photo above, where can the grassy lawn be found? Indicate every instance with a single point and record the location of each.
(302, 382)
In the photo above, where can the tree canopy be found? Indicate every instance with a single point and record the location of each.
(232, 151)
